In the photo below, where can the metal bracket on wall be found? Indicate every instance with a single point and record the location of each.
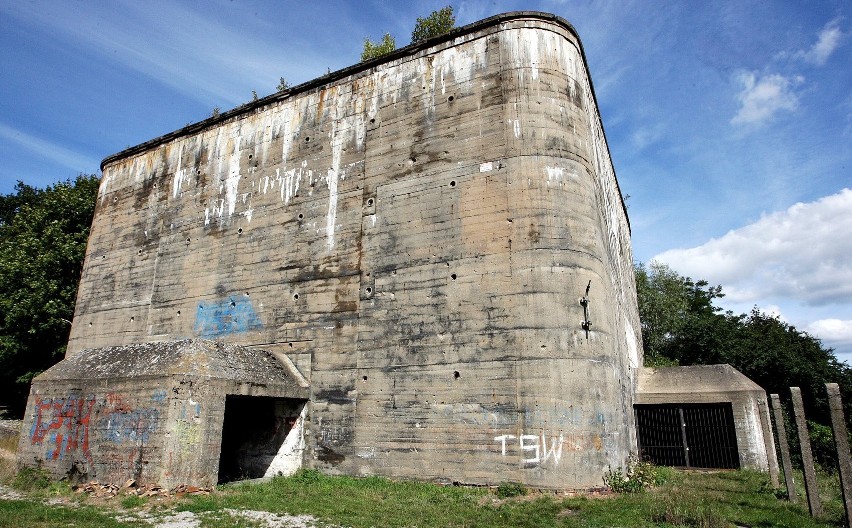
(584, 302)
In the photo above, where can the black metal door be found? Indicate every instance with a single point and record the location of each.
(688, 435)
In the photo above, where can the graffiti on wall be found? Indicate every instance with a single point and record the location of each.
(119, 422)
(224, 317)
(539, 449)
(63, 424)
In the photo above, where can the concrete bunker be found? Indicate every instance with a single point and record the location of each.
(703, 416)
(154, 413)
(415, 234)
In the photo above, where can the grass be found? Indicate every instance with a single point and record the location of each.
(691, 499)
(688, 499)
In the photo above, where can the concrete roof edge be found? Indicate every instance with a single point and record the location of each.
(743, 382)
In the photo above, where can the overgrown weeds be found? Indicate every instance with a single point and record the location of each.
(638, 476)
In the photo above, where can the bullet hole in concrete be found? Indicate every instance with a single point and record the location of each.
(453, 183)
(198, 172)
(370, 202)
(412, 159)
(115, 199)
(369, 290)
(90, 324)
(301, 216)
(187, 241)
(453, 276)
(291, 345)
(178, 313)
(233, 304)
(364, 378)
(132, 319)
(251, 156)
(373, 120)
(295, 296)
(456, 374)
(451, 98)
(240, 231)
(307, 139)
(368, 273)
(103, 257)
(139, 252)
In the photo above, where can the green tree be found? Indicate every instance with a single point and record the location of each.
(373, 50)
(437, 23)
(43, 235)
(671, 307)
(283, 84)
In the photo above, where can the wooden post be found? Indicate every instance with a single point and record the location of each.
(811, 487)
(781, 431)
(841, 440)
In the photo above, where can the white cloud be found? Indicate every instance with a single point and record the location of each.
(833, 331)
(828, 41)
(762, 97)
(801, 254)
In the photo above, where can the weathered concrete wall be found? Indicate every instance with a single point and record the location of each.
(415, 234)
(718, 384)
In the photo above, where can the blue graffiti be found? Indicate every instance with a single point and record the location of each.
(133, 426)
(224, 317)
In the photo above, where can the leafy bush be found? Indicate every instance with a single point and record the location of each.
(437, 23)
(638, 476)
(373, 50)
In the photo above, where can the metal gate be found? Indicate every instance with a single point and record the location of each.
(688, 435)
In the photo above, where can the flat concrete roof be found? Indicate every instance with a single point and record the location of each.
(694, 379)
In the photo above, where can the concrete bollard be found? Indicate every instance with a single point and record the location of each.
(811, 487)
(841, 441)
(781, 430)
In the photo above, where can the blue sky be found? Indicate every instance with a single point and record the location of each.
(729, 123)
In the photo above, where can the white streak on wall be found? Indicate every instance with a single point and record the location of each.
(632, 346)
(337, 140)
(517, 128)
(554, 174)
(233, 180)
(180, 175)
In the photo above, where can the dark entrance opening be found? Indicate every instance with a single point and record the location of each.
(257, 433)
(688, 435)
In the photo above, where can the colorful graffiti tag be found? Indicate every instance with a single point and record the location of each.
(64, 423)
(224, 317)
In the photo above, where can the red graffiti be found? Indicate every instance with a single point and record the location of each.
(68, 420)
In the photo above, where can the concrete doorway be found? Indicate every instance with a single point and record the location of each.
(261, 437)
